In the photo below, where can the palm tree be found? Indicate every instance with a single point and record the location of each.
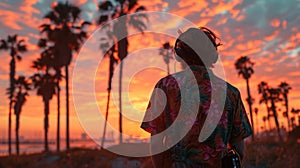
(22, 87)
(166, 52)
(245, 68)
(50, 62)
(67, 34)
(284, 90)
(45, 83)
(295, 112)
(114, 9)
(263, 90)
(112, 61)
(15, 47)
(274, 96)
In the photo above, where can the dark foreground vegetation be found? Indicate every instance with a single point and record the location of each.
(260, 154)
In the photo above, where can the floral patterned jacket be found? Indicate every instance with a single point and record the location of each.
(164, 108)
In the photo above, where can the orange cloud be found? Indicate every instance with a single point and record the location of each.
(9, 19)
(275, 22)
(27, 7)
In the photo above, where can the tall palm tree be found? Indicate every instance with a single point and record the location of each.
(114, 9)
(295, 112)
(68, 34)
(263, 90)
(166, 52)
(15, 47)
(274, 96)
(108, 52)
(45, 83)
(51, 62)
(245, 68)
(22, 86)
(284, 90)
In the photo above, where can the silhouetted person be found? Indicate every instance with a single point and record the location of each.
(194, 116)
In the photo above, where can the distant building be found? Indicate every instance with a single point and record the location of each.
(110, 137)
(83, 136)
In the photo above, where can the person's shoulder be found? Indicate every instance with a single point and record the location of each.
(229, 87)
(170, 80)
(232, 89)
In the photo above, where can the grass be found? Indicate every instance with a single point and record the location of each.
(260, 154)
(268, 153)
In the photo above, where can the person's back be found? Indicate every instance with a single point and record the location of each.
(180, 90)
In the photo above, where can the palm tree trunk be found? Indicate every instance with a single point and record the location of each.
(276, 119)
(168, 68)
(58, 118)
(120, 102)
(106, 119)
(111, 72)
(249, 100)
(67, 108)
(17, 133)
(287, 111)
(46, 124)
(9, 128)
(12, 90)
(268, 112)
(257, 127)
(122, 53)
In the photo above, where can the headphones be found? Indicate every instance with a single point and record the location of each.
(201, 44)
(178, 50)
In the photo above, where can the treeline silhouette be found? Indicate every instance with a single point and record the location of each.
(270, 96)
(63, 37)
(60, 39)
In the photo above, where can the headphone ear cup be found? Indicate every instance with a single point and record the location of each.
(178, 51)
(215, 57)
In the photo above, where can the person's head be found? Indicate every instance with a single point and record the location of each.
(197, 46)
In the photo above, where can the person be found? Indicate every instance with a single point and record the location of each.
(175, 119)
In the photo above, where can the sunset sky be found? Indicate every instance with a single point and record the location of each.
(267, 31)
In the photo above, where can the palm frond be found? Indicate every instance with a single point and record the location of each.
(21, 47)
(85, 23)
(132, 4)
(45, 28)
(12, 39)
(140, 8)
(19, 58)
(102, 19)
(3, 45)
(75, 11)
(42, 43)
(137, 23)
(105, 6)
(53, 18)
